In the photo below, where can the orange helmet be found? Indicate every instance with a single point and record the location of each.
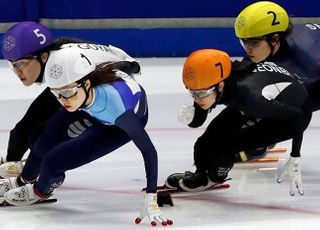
(205, 68)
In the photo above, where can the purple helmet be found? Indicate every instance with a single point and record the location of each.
(24, 39)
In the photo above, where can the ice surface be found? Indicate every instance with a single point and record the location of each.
(105, 194)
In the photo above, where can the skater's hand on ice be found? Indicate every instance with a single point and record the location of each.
(151, 209)
(185, 114)
(293, 169)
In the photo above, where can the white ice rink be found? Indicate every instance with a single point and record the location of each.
(106, 193)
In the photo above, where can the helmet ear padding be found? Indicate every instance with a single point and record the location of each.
(261, 18)
(205, 68)
(25, 39)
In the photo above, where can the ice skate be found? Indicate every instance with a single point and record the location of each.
(11, 169)
(196, 182)
(6, 185)
(172, 181)
(22, 196)
(172, 185)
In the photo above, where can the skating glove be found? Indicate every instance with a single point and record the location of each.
(293, 169)
(186, 114)
(151, 209)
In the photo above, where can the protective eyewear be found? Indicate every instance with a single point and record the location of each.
(22, 63)
(251, 42)
(66, 93)
(200, 94)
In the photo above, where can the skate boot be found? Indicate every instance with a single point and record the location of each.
(248, 155)
(6, 185)
(23, 196)
(196, 182)
(11, 169)
(271, 146)
(172, 181)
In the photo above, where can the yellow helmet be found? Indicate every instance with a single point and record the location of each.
(205, 68)
(261, 18)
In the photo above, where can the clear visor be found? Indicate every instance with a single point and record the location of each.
(251, 42)
(203, 93)
(65, 93)
(22, 63)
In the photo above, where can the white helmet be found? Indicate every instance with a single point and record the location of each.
(68, 65)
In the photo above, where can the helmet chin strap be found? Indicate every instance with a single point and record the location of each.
(42, 67)
(83, 105)
(271, 51)
(218, 98)
(269, 40)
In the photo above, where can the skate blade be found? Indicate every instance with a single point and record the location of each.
(48, 201)
(220, 186)
(163, 188)
(159, 187)
(213, 187)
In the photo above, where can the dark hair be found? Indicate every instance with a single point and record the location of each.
(56, 45)
(289, 30)
(282, 35)
(104, 73)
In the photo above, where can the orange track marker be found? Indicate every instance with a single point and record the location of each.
(277, 150)
(265, 160)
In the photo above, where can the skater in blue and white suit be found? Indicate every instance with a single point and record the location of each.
(118, 108)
